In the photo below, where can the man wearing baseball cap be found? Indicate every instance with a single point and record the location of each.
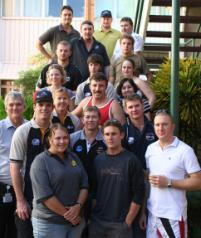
(27, 142)
(107, 35)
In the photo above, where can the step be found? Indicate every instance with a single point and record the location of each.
(168, 19)
(168, 48)
(167, 34)
(183, 3)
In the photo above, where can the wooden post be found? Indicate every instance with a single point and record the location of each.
(89, 10)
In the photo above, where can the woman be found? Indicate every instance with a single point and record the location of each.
(59, 185)
(61, 112)
(128, 71)
(55, 79)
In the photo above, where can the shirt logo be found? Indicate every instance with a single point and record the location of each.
(74, 163)
(149, 136)
(67, 79)
(87, 94)
(131, 140)
(79, 148)
(35, 142)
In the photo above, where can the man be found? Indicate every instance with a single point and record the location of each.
(28, 141)
(73, 75)
(118, 188)
(107, 35)
(14, 106)
(85, 46)
(127, 44)
(95, 65)
(139, 131)
(108, 107)
(54, 35)
(88, 142)
(173, 169)
(126, 25)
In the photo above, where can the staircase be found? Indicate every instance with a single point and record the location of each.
(158, 33)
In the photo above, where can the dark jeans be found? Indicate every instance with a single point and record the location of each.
(7, 221)
(102, 229)
(24, 228)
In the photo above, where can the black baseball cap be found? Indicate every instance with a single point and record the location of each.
(42, 96)
(106, 13)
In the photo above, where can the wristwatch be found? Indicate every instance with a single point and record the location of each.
(169, 183)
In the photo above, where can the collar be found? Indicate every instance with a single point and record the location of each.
(9, 123)
(110, 30)
(55, 156)
(35, 125)
(99, 135)
(61, 28)
(175, 143)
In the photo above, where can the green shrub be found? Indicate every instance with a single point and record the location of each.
(189, 97)
(27, 80)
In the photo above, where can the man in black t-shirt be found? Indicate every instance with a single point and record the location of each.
(118, 187)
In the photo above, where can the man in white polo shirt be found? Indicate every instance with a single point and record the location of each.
(173, 169)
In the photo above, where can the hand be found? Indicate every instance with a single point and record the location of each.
(72, 213)
(23, 210)
(143, 221)
(129, 221)
(158, 181)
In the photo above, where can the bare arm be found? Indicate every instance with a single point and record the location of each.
(149, 76)
(191, 183)
(55, 205)
(73, 212)
(133, 211)
(23, 209)
(79, 109)
(41, 48)
(117, 112)
(146, 90)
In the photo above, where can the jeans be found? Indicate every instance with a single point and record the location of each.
(44, 228)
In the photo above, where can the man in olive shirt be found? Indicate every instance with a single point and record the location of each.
(54, 35)
(127, 44)
(107, 35)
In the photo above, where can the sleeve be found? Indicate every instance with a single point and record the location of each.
(47, 36)
(190, 161)
(41, 83)
(77, 78)
(79, 94)
(111, 93)
(106, 61)
(139, 43)
(19, 144)
(145, 68)
(112, 72)
(117, 50)
(137, 182)
(76, 122)
(40, 180)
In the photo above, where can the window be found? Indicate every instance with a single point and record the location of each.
(40, 8)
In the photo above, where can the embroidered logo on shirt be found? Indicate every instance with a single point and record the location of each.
(35, 142)
(74, 163)
(150, 136)
(131, 140)
(79, 148)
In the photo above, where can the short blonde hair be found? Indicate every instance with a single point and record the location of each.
(61, 70)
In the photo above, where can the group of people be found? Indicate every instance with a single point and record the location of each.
(90, 163)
